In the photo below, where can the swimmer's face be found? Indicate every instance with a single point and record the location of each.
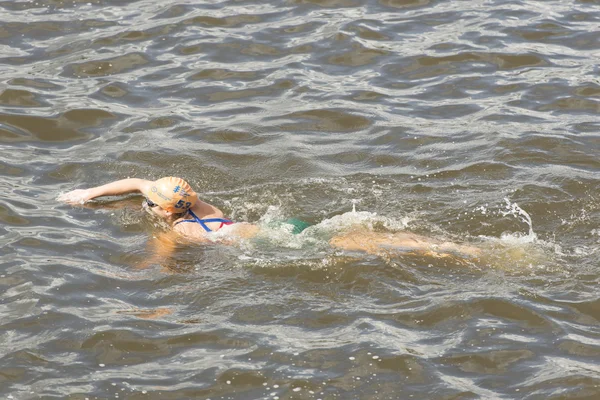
(156, 209)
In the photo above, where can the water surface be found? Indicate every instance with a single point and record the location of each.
(467, 121)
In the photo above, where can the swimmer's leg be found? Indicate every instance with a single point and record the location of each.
(459, 249)
(378, 242)
(375, 242)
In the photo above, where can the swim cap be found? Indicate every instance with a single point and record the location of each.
(172, 194)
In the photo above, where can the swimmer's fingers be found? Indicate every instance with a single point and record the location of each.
(78, 196)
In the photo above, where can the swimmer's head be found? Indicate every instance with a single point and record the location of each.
(172, 194)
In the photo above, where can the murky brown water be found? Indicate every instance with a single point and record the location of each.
(470, 121)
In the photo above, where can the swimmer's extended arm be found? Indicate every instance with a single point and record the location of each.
(123, 186)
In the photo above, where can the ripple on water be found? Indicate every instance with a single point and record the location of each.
(68, 127)
(326, 120)
(107, 67)
(20, 98)
(405, 3)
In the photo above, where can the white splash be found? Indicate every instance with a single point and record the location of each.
(516, 211)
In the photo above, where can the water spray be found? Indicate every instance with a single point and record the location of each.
(518, 212)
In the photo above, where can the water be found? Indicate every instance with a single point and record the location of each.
(473, 122)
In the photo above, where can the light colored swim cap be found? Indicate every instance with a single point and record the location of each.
(172, 194)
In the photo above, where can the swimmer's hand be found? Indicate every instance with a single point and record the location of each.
(78, 196)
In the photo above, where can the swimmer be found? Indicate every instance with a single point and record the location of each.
(170, 198)
(173, 200)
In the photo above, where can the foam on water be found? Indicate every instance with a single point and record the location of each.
(276, 241)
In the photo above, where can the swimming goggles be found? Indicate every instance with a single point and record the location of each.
(150, 203)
